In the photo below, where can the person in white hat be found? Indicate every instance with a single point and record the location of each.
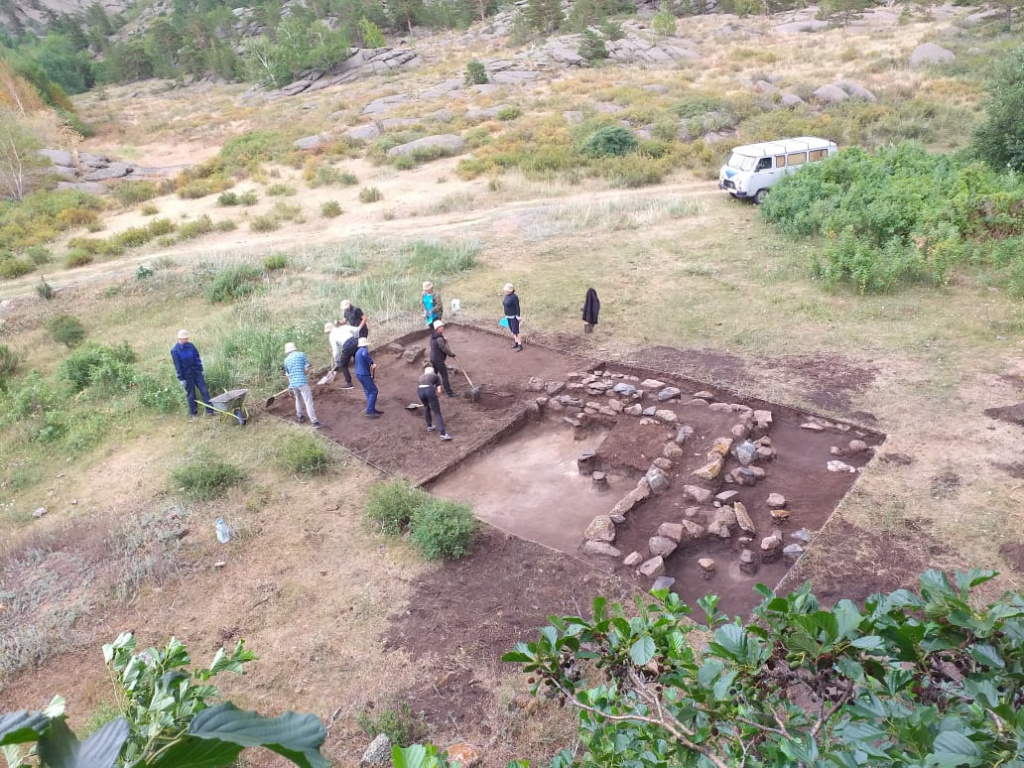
(189, 367)
(296, 368)
(439, 350)
(428, 389)
(433, 307)
(510, 304)
(366, 371)
(356, 317)
(343, 347)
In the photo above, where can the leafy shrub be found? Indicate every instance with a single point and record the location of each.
(149, 210)
(77, 257)
(476, 73)
(999, 140)
(390, 506)
(44, 290)
(39, 255)
(436, 258)
(264, 223)
(194, 190)
(225, 225)
(592, 47)
(397, 721)
(13, 266)
(371, 34)
(196, 228)
(370, 195)
(251, 150)
(330, 209)
(227, 198)
(275, 261)
(129, 193)
(303, 455)
(664, 21)
(205, 477)
(159, 227)
(280, 190)
(508, 113)
(93, 363)
(442, 529)
(234, 282)
(249, 198)
(159, 395)
(67, 329)
(8, 364)
(610, 140)
(286, 212)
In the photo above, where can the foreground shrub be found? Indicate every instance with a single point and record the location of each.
(8, 364)
(303, 455)
(157, 394)
(476, 73)
(370, 195)
(397, 721)
(275, 261)
(436, 258)
(999, 140)
(330, 209)
(234, 282)
(205, 477)
(197, 228)
(129, 193)
(13, 266)
(389, 506)
(68, 330)
(442, 529)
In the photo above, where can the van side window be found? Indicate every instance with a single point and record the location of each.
(763, 164)
(817, 154)
(780, 161)
(797, 158)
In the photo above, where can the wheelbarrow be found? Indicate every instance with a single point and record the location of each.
(231, 404)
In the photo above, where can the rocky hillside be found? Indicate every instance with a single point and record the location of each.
(16, 15)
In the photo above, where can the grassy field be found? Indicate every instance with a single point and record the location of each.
(676, 264)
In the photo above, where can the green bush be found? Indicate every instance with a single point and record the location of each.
(370, 195)
(249, 198)
(227, 198)
(8, 364)
(397, 721)
(610, 141)
(999, 140)
(476, 73)
(159, 227)
(158, 395)
(68, 330)
(509, 113)
(303, 455)
(234, 282)
(39, 255)
(12, 267)
(442, 529)
(592, 47)
(205, 477)
(390, 506)
(280, 190)
(77, 257)
(330, 209)
(435, 258)
(149, 210)
(225, 225)
(248, 152)
(274, 262)
(129, 193)
(264, 223)
(196, 228)
(44, 290)
(91, 364)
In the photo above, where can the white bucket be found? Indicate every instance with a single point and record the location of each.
(456, 306)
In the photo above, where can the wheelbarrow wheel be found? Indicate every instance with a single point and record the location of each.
(240, 417)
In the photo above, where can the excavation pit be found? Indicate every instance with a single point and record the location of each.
(660, 480)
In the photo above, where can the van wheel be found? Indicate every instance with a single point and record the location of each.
(759, 196)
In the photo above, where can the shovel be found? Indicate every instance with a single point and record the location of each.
(272, 398)
(474, 391)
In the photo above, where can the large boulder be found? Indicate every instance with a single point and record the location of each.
(831, 94)
(445, 143)
(930, 53)
(59, 157)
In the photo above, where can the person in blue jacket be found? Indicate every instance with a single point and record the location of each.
(366, 369)
(189, 368)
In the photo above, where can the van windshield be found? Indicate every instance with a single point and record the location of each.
(741, 162)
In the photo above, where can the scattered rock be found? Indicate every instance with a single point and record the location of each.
(839, 466)
(592, 547)
(669, 393)
(378, 753)
(792, 552)
(706, 564)
(662, 582)
(674, 531)
(791, 100)
(633, 559)
(695, 531)
(721, 446)
(652, 384)
(698, 494)
(726, 496)
(649, 411)
(661, 546)
(634, 410)
(669, 417)
(465, 754)
(857, 447)
(739, 431)
(771, 547)
(601, 528)
(711, 470)
(776, 501)
(40, 512)
(812, 426)
(310, 143)
(657, 480)
(671, 451)
(684, 433)
(615, 406)
(599, 481)
(831, 94)
(779, 514)
(413, 354)
(653, 568)
(803, 536)
(745, 452)
(743, 518)
(447, 143)
(665, 465)
(554, 387)
(637, 496)
(748, 562)
(765, 453)
(624, 389)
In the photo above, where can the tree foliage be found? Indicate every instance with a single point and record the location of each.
(909, 680)
(166, 718)
(999, 141)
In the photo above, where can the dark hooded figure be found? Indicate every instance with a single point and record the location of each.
(591, 308)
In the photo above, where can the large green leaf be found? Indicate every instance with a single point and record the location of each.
(22, 727)
(59, 748)
(297, 737)
(642, 651)
(191, 752)
(954, 750)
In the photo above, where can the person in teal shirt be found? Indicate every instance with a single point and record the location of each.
(433, 307)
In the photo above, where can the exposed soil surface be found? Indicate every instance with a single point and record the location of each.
(1014, 556)
(518, 468)
(1012, 414)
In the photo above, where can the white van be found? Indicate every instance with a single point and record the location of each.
(753, 168)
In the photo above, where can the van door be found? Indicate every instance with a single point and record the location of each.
(763, 176)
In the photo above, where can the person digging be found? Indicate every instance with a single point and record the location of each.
(296, 370)
(439, 350)
(343, 339)
(366, 371)
(428, 390)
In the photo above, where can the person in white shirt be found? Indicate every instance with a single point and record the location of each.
(343, 338)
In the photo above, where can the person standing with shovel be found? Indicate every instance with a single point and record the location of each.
(296, 370)
(439, 350)
(429, 390)
(366, 372)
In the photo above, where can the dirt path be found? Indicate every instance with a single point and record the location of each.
(482, 224)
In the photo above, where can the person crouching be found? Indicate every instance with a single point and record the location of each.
(429, 390)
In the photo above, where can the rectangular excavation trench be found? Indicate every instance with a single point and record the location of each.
(517, 463)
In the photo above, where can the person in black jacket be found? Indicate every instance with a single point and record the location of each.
(511, 306)
(439, 350)
(356, 318)
(591, 308)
